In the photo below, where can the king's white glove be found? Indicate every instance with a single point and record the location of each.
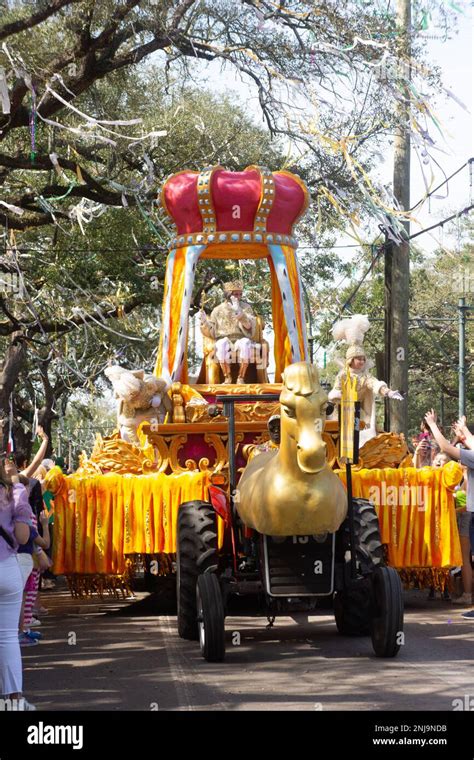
(395, 395)
(236, 306)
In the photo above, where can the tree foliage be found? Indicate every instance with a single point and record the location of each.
(105, 100)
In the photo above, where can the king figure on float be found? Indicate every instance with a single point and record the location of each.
(352, 331)
(231, 325)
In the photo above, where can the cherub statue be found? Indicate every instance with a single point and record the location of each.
(141, 397)
(352, 331)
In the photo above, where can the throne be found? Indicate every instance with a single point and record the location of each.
(211, 373)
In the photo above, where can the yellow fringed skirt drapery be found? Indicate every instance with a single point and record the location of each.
(416, 513)
(101, 518)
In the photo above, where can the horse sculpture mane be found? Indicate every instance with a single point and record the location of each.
(293, 491)
(301, 378)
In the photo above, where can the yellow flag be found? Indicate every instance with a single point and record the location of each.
(348, 399)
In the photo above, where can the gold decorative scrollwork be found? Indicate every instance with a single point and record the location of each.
(221, 451)
(176, 443)
(161, 449)
(254, 388)
(258, 412)
(163, 456)
(112, 454)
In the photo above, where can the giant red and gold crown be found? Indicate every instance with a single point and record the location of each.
(220, 206)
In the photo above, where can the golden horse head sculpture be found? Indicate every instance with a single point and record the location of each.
(303, 404)
(293, 491)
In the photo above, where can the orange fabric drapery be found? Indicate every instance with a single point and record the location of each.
(416, 512)
(178, 285)
(282, 346)
(101, 518)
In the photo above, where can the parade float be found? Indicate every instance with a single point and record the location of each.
(188, 443)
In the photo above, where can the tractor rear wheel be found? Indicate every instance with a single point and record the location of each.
(387, 612)
(352, 612)
(352, 607)
(369, 549)
(210, 618)
(196, 553)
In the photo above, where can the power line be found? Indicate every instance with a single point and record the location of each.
(356, 289)
(469, 163)
(444, 221)
(359, 284)
(24, 246)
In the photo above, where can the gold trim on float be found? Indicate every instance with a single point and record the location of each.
(232, 237)
(219, 389)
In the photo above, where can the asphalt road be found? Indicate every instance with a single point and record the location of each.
(126, 655)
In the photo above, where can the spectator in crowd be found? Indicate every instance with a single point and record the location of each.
(28, 469)
(59, 462)
(47, 581)
(35, 495)
(15, 524)
(466, 457)
(424, 447)
(33, 548)
(439, 461)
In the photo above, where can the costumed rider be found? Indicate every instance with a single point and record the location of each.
(231, 325)
(352, 331)
(273, 443)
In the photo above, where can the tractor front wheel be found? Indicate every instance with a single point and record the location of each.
(210, 618)
(352, 612)
(387, 612)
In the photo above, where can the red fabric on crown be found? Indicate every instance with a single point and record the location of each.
(228, 191)
(287, 205)
(235, 189)
(181, 198)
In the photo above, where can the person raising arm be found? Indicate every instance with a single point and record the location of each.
(39, 456)
(464, 517)
(445, 446)
(463, 433)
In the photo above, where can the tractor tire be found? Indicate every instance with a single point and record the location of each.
(352, 612)
(369, 549)
(387, 612)
(196, 553)
(352, 607)
(210, 618)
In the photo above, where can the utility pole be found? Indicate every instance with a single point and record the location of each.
(387, 324)
(462, 356)
(398, 264)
